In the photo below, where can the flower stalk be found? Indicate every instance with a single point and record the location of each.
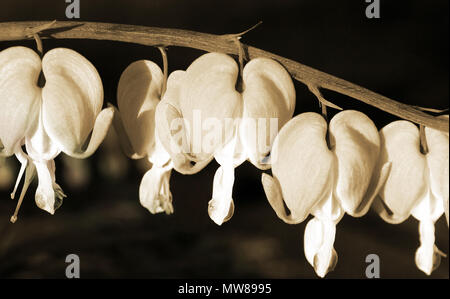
(152, 36)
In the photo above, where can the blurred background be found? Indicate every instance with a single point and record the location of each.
(402, 55)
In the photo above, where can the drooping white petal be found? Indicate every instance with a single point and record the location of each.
(122, 135)
(355, 141)
(221, 206)
(138, 93)
(274, 195)
(171, 128)
(38, 144)
(320, 233)
(269, 102)
(428, 256)
(427, 211)
(407, 183)
(72, 99)
(154, 191)
(318, 243)
(49, 195)
(377, 182)
(19, 96)
(416, 185)
(302, 164)
(208, 93)
(209, 87)
(438, 164)
(101, 126)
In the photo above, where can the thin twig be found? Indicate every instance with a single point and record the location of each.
(151, 36)
(423, 140)
(165, 69)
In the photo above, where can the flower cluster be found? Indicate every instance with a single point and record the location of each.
(61, 115)
(216, 110)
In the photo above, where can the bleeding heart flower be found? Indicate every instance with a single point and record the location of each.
(202, 116)
(138, 94)
(417, 185)
(325, 180)
(63, 115)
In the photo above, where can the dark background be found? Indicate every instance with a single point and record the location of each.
(402, 55)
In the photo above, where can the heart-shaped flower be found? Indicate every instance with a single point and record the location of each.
(417, 185)
(202, 116)
(63, 115)
(138, 94)
(325, 178)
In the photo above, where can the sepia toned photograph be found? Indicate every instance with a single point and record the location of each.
(195, 141)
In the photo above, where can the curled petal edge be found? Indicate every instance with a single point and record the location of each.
(154, 190)
(385, 213)
(124, 140)
(182, 162)
(272, 189)
(372, 191)
(101, 127)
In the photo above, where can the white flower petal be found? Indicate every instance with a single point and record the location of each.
(171, 130)
(378, 180)
(72, 98)
(438, 164)
(428, 256)
(274, 195)
(154, 191)
(49, 195)
(269, 93)
(407, 183)
(355, 140)
(303, 164)
(138, 93)
(20, 96)
(124, 140)
(209, 87)
(98, 134)
(318, 243)
(221, 207)
(208, 93)
(38, 144)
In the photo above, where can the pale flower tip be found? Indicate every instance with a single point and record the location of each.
(215, 213)
(325, 263)
(157, 204)
(154, 191)
(428, 260)
(219, 212)
(43, 204)
(13, 219)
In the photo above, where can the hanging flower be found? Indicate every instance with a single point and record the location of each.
(325, 180)
(417, 185)
(62, 116)
(202, 116)
(138, 94)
